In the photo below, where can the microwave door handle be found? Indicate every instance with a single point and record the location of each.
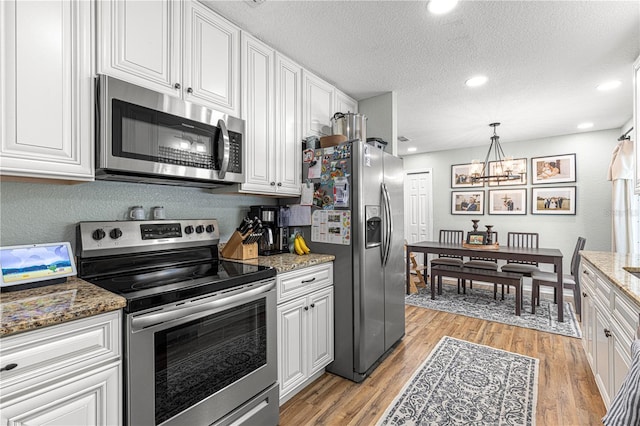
(224, 149)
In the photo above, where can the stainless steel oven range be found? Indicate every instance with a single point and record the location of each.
(199, 332)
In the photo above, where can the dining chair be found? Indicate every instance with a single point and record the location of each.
(525, 240)
(570, 281)
(453, 237)
(486, 263)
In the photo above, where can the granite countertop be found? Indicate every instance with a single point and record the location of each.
(26, 310)
(288, 261)
(610, 264)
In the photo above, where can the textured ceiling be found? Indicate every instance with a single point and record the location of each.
(543, 60)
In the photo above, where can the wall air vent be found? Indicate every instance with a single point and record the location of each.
(403, 139)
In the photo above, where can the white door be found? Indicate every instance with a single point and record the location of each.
(317, 105)
(418, 207)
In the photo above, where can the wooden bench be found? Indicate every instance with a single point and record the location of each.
(497, 277)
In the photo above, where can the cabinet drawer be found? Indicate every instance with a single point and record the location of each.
(603, 291)
(52, 352)
(302, 281)
(626, 314)
(588, 276)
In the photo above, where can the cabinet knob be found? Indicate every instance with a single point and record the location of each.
(585, 272)
(279, 183)
(272, 184)
(584, 294)
(306, 308)
(607, 332)
(177, 85)
(9, 367)
(313, 305)
(189, 90)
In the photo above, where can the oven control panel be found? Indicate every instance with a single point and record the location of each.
(121, 237)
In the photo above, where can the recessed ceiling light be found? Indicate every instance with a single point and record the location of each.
(585, 125)
(439, 7)
(476, 81)
(412, 149)
(609, 85)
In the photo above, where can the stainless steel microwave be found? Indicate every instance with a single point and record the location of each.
(150, 137)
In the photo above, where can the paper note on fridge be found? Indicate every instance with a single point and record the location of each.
(299, 215)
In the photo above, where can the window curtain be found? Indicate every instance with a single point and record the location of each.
(624, 204)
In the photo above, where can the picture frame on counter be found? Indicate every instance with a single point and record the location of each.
(467, 202)
(553, 169)
(518, 166)
(508, 201)
(558, 200)
(461, 176)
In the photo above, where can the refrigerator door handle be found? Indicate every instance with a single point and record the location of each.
(388, 225)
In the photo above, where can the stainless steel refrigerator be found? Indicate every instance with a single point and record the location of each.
(369, 271)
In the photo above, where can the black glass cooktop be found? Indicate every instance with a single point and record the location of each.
(152, 280)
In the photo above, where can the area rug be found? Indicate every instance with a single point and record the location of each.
(479, 303)
(464, 383)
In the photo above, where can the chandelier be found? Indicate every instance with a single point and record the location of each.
(501, 167)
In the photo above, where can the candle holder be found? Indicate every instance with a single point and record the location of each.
(475, 224)
(489, 235)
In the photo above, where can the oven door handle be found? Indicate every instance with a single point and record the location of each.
(145, 321)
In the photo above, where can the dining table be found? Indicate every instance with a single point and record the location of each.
(551, 256)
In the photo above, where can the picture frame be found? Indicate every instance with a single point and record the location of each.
(553, 169)
(519, 167)
(461, 176)
(507, 201)
(467, 202)
(557, 200)
(476, 238)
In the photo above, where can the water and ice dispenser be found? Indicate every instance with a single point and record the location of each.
(373, 226)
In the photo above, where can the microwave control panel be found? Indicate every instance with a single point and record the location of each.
(235, 152)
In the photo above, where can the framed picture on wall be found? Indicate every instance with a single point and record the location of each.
(517, 167)
(553, 169)
(461, 176)
(508, 201)
(467, 202)
(556, 200)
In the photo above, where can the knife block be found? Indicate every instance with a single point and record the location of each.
(234, 249)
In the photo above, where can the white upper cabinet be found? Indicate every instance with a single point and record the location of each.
(318, 105)
(211, 59)
(271, 107)
(183, 49)
(46, 85)
(636, 121)
(344, 103)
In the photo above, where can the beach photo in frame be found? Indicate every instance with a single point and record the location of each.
(553, 169)
(556, 200)
(507, 201)
(518, 166)
(461, 176)
(467, 202)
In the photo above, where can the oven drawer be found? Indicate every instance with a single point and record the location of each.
(262, 410)
(52, 352)
(302, 281)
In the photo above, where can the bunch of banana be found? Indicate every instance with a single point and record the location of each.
(300, 246)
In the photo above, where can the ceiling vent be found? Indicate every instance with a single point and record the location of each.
(403, 139)
(255, 3)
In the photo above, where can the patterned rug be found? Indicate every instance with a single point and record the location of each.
(464, 383)
(479, 303)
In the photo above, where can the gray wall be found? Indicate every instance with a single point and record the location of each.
(38, 213)
(593, 191)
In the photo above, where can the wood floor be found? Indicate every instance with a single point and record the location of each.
(567, 392)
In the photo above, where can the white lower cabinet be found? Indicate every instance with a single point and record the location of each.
(609, 323)
(67, 374)
(305, 330)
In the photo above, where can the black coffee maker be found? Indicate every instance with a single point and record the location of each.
(275, 225)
